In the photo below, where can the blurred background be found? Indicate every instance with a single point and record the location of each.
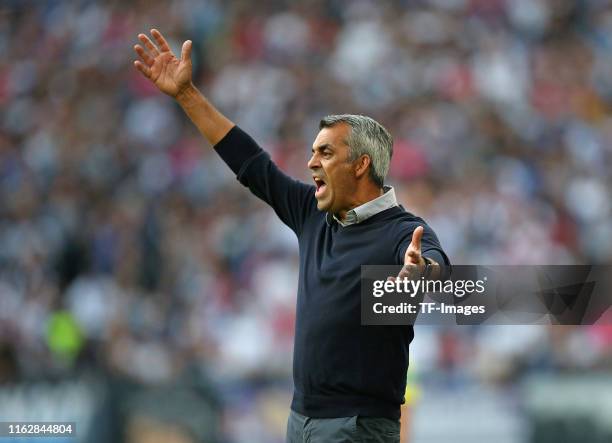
(149, 297)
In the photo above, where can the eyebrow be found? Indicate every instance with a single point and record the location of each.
(323, 147)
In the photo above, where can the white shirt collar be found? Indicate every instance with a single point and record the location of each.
(368, 209)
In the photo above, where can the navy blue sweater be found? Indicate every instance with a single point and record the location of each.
(340, 368)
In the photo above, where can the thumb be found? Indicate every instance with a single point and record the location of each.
(416, 238)
(186, 51)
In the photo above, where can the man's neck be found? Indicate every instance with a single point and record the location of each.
(360, 198)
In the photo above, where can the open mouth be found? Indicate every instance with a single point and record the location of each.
(321, 186)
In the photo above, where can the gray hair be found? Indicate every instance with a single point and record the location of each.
(367, 137)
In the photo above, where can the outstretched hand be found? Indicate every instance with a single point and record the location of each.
(159, 64)
(414, 263)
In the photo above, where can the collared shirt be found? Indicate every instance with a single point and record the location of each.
(368, 209)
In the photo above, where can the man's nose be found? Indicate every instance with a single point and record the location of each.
(314, 162)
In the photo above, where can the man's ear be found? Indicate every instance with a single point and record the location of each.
(361, 165)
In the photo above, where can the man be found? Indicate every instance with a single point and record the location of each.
(349, 379)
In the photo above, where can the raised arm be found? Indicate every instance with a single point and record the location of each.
(173, 77)
(292, 201)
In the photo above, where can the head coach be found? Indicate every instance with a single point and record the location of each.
(349, 380)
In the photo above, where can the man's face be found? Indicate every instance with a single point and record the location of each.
(333, 174)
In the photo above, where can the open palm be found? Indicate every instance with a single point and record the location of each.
(159, 64)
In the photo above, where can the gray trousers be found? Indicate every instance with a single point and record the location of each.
(301, 429)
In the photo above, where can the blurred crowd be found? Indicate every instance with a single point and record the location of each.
(125, 243)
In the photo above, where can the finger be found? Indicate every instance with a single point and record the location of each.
(409, 271)
(415, 257)
(145, 70)
(186, 51)
(161, 41)
(149, 45)
(416, 238)
(143, 55)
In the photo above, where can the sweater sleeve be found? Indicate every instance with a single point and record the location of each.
(292, 200)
